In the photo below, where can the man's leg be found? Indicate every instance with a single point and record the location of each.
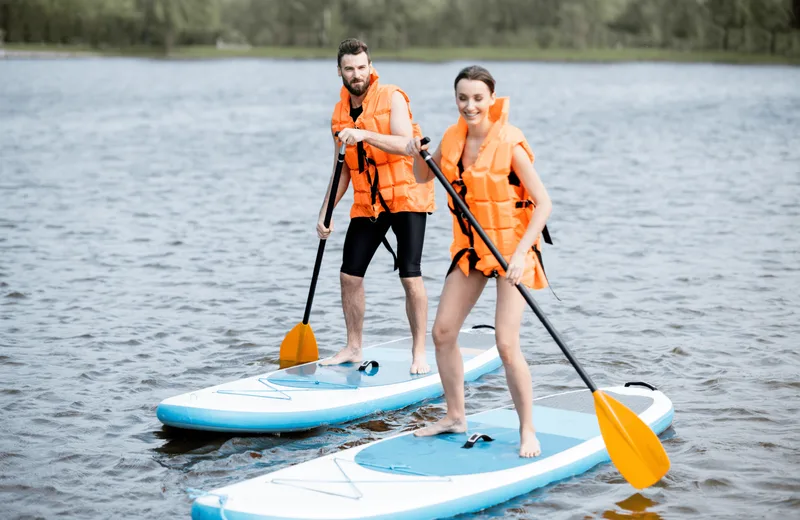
(409, 228)
(353, 307)
(417, 312)
(362, 240)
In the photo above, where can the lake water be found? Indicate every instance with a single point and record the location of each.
(157, 236)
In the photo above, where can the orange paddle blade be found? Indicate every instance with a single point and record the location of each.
(633, 447)
(299, 346)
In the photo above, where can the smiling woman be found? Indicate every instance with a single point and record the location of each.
(491, 165)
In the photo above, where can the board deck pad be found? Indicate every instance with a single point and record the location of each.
(562, 422)
(394, 361)
(393, 365)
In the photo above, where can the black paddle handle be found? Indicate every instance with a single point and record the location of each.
(522, 289)
(335, 184)
(328, 215)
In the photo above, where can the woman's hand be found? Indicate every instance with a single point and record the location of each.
(516, 268)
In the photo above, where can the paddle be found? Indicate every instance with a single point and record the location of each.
(300, 345)
(633, 447)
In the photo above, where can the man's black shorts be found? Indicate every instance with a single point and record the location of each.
(364, 236)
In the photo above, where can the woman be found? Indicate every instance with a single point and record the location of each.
(490, 165)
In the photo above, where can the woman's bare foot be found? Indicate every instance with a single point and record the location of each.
(419, 365)
(346, 355)
(445, 425)
(529, 444)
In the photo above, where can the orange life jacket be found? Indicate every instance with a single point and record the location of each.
(381, 181)
(494, 195)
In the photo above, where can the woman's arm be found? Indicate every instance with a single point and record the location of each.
(522, 165)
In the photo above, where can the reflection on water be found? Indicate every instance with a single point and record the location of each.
(634, 507)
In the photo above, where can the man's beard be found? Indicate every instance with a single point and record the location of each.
(356, 90)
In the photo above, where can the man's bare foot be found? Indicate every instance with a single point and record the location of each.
(529, 444)
(419, 365)
(346, 355)
(445, 425)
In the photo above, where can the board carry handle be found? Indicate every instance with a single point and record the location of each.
(475, 437)
(641, 383)
(368, 363)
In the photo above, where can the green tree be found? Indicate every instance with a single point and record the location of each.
(169, 18)
(796, 14)
(401, 23)
(774, 16)
(729, 14)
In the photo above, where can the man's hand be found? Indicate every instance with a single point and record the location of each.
(351, 136)
(323, 232)
(414, 146)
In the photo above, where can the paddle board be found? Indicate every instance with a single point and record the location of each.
(311, 395)
(434, 477)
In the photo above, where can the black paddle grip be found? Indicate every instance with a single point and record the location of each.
(337, 173)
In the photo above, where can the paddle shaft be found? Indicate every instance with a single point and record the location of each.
(522, 289)
(328, 215)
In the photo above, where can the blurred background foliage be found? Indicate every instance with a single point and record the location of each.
(755, 26)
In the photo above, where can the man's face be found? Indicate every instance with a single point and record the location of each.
(354, 71)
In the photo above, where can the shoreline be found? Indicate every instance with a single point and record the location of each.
(416, 54)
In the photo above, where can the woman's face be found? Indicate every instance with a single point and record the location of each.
(473, 99)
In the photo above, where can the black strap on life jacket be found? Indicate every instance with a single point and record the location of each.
(536, 251)
(545, 231)
(463, 223)
(364, 163)
(513, 180)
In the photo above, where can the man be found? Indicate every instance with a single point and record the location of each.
(374, 120)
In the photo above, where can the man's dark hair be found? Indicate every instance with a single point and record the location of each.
(351, 46)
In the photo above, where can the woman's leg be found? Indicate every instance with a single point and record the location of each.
(458, 297)
(508, 317)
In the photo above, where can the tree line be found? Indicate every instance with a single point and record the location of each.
(765, 26)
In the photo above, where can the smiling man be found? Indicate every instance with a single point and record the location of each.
(375, 121)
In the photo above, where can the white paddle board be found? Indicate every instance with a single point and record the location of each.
(434, 477)
(312, 395)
